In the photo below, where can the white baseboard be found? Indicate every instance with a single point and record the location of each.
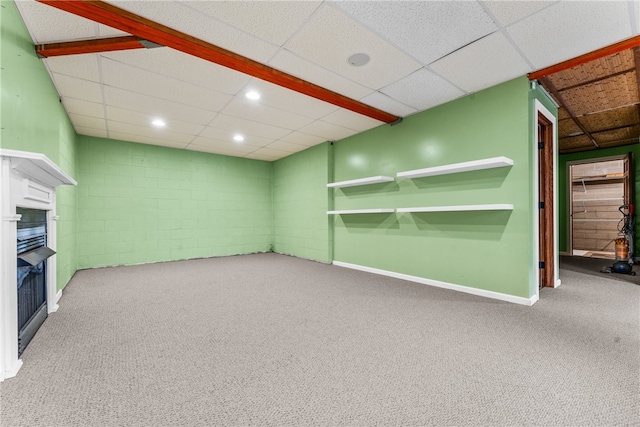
(13, 371)
(452, 286)
(55, 306)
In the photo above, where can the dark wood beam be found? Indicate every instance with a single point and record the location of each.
(551, 88)
(115, 17)
(89, 46)
(582, 59)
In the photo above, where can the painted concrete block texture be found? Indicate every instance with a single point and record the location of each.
(140, 203)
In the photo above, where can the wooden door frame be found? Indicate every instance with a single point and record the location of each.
(569, 219)
(540, 109)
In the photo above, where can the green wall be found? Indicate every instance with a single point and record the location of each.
(137, 203)
(140, 203)
(563, 186)
(301, 201)
(32, 119)
(488, 250)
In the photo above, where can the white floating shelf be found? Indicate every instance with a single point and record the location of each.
(493, 162)
(362, 181)
(459, 208)
(360, 211)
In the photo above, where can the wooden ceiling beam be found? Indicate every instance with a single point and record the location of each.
(551, 88)
(88, 46)
(115, 17)
(582, 59)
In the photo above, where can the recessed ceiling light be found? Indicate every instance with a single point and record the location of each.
(238, 138)
(358, 59)
(159, 123)
(253, 95)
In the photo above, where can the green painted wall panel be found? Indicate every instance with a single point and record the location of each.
(563, 186)
(301, 201)
(32, 119)
(139, 203)
(485, 250)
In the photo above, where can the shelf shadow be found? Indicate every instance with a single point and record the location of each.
(370, 221)
(481, 225)
(482, 179)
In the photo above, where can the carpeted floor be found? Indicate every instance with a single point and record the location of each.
(594, 266)
(271, 340)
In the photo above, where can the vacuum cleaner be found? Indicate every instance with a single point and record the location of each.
(624, 243)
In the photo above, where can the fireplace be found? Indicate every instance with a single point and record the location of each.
(28, 241)
(31, 265)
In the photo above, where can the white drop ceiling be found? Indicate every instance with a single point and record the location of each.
(423, 54)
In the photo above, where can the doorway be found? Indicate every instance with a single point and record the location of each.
(600, 193)
(546, 230)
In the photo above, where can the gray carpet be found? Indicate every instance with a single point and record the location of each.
(271, 340)
(594, 266)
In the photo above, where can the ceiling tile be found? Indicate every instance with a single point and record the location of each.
(229, 148)
(181, 66)
(267, 154)
(80, 66)
(275, 96)
(330, 37)
(351, 120)
(77, 88)
(482, 64)
(215, 150)
(148, 132)
(87, 122)
(427, 30)
(328, 131)
(508, 12)
(569, 29)
(156, 107)
(305, 139)
(227, 135)
(142, 119)
(272, 21)
(182, 17)
(388, 104)
(248, 127)
(422, 90)
(78, 106)
(291, 63)
(130, 78)
(48, 24)
(264, 114)
(286, 146)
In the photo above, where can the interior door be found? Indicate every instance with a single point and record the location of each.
(545, 204)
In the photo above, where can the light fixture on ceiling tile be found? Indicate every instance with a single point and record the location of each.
(576, 133)
(358, 59)
(158, 123)
(253, 95)
(238, 138)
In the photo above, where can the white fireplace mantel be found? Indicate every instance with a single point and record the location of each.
(27, 180)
